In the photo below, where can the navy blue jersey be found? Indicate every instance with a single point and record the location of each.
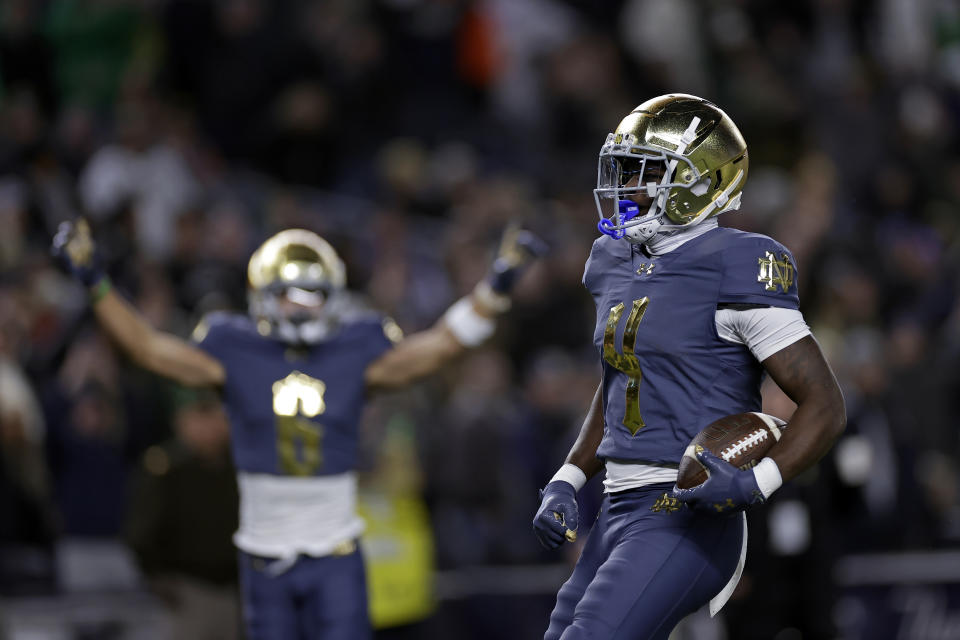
(292, 412)
(666, 372)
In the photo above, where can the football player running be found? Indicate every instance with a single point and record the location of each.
(690, 316)
(293, 374)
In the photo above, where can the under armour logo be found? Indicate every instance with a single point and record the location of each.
(645, 269)
(729, 504)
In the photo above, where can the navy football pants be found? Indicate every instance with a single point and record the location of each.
(642, 571)
(315, 599)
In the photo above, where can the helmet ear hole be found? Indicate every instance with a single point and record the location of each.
(701, 186)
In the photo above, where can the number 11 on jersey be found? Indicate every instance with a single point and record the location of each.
(626, 361)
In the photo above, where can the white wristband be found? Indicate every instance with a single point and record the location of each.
(768, 477)
(468, 327)
(571, 473)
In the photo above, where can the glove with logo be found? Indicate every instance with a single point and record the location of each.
(558, 516)
(726, 490)
(74, 248)
(518, 249)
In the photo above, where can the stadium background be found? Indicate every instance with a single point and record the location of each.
(408, 132)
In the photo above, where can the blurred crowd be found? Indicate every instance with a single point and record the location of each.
(408, 132)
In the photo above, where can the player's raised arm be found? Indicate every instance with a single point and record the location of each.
(468, 323)
(156, 351)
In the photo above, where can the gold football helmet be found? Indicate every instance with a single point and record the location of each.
(704, 166)
(292, 277)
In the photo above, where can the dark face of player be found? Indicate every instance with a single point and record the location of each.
(652, 172)
(301, 305)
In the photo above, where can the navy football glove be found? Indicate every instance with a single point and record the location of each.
(727, 490)
(558, 516)
(74, 248)
(518, 248)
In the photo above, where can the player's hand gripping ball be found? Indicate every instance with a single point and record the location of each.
(558, 516)
(716, 473)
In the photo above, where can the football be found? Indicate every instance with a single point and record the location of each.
(742, 439)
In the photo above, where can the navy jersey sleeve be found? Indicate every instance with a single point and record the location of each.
(759, 270)
(606, 255)
(383, 334)
(214, 334)
(590, 270)
(369, 335)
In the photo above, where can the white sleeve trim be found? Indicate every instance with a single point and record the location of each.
(764, 331)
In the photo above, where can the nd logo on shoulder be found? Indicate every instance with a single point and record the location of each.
(775, 273)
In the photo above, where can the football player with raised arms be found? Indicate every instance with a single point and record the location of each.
(293, 374)
(690, 317)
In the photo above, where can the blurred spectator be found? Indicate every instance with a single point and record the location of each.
(95, 43)
(480, 486)
(87, 441)
(408, 132)
(397, 541)
(142, 171)
(26, 61)
(27, 526)
(182, 514)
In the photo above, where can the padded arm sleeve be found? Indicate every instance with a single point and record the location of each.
(764, 331)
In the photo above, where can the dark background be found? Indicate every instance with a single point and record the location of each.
(407, 132)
